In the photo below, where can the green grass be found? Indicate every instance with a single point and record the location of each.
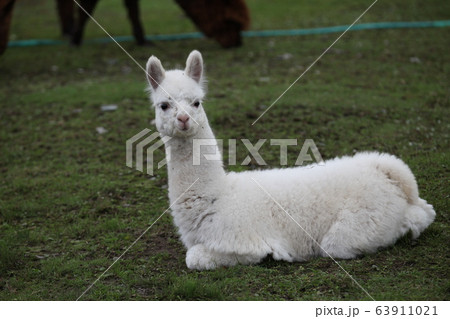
(69, 205)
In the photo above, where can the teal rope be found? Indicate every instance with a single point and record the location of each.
(251, 34)
(342, 28)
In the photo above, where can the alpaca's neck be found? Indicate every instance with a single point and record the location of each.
(190, 159)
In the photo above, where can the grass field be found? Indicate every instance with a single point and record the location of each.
(69, 205)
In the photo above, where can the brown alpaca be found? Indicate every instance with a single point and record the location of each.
(222, 20)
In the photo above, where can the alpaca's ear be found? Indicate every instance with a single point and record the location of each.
(155, 72)
(194, 66)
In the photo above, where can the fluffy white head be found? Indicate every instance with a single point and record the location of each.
(177, 96)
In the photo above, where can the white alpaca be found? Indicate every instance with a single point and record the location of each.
(346, 207)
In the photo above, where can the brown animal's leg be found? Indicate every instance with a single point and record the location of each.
(6, 8)
(133, 15)
(66, 16)
(89, 6)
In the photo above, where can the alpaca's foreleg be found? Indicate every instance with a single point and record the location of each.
(134, 16)
(66, 14)
(201, 258)
(84, 12)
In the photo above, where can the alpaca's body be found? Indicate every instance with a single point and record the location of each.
(340, 208)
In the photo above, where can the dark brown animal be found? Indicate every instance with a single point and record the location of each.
(222, 20)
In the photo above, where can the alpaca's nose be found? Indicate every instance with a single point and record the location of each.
(183, 118)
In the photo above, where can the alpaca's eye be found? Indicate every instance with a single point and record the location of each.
(196, 104)
(164, 106)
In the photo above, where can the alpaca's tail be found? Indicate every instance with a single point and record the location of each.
(398, 172)
(419, 214)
